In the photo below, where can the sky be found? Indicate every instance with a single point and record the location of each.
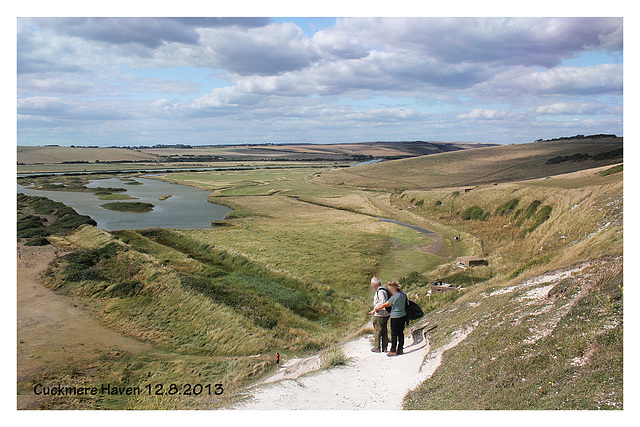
(202, 81)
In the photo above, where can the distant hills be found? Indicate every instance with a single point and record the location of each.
(504, 163)
(180, 153)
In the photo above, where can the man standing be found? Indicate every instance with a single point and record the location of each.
(380, 316)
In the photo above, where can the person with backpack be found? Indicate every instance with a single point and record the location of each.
(398, 317)
(380, 316)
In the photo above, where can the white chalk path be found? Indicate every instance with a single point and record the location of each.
(370, 381)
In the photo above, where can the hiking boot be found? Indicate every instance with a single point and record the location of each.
(376, 350)
(392, 354)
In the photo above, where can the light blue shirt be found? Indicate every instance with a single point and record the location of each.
(398, 304)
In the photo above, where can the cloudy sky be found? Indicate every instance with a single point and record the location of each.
(146, 81)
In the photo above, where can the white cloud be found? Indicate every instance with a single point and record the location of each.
(484, 114)
(595, 79)
(564, 108)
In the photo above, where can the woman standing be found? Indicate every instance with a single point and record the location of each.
(398, 317)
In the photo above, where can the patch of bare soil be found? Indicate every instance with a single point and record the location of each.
(53, 330)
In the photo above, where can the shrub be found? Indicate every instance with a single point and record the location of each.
(414, 278)
(529, 211)
(82, 265)
(37, 241)
(474, 212)
(543, 214)
(507, 207)
(419, 202)
(438, 203)
(516, 215)
(611, 171)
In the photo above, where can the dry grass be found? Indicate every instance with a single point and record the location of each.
(473, 167)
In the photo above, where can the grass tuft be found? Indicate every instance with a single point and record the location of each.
(333, 357)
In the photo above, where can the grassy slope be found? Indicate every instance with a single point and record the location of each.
(552, 344)
(472, 167)
(556, 345)
(326, 151)
(578, 363)
(212, 316)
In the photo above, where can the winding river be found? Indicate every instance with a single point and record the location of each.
(187, 208)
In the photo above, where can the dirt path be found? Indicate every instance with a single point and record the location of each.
(370, 381)
(53, 331)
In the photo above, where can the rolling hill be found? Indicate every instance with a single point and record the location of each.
(56, 154)
(506, 163)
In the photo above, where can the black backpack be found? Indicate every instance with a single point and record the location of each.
(386, 291)
(413, 310)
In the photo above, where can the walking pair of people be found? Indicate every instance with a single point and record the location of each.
(389, 307)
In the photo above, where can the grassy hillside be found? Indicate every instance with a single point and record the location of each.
(351, 151)
(481, 166)
(236, 307)
(544, 316)
(553, 342)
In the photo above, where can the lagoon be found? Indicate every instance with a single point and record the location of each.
(188, 207)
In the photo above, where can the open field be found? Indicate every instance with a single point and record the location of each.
(59, 155)
(49, 159)
(481, 166)
(351, 151)
(97, 168)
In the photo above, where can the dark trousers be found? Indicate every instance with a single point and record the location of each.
(397, 334)
(381, 334)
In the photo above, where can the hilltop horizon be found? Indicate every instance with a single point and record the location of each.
(178, 145)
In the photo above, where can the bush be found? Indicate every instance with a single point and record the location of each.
(414, 278)
(529, 211)
(419, 202)
(507, 207)
(37, 241)
(474, 212)
(438, 203)
(82, 265)
(543, 214)
(611, 171)
(333, 357)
